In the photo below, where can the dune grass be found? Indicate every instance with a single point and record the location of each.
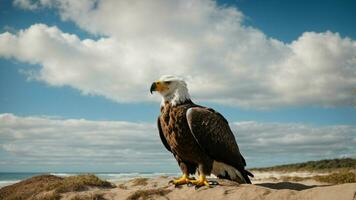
(337, 178)
(122, 186)
(80, 183)
(49, 187)
(88, 197)
(321, 165)
(148, 194)
(29, 188)
(340, 170)
(333, 178)
(139, 181)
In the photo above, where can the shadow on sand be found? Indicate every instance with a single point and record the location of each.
(287, 185)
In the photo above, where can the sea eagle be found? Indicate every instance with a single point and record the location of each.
(199, 137)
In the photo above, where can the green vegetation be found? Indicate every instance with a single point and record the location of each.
(337, 178)
(333, 178)
(148, 194)
(49, 187)
(340, 170)
(321, 165)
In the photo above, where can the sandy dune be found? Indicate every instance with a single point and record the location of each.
(89, 187)
(157, 188)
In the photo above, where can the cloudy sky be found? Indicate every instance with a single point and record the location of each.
(75, 78)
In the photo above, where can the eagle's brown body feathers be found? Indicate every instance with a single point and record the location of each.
(200, 138)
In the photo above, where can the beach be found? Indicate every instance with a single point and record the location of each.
(130, 186)
(11, 178)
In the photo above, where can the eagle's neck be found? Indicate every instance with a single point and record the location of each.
(179, 96)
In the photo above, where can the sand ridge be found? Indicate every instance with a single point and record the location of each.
(89, 187)
(158, 188)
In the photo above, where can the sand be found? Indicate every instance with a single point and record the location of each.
(158, 188)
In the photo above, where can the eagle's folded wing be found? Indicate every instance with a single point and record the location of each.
(213, 134)
(163, 139)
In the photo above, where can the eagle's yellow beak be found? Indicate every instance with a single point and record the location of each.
(158, 86)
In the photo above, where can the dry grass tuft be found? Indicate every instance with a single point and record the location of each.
(88, 197)
(337, 178)
(28, 189)
(49, 187)
(319, 165)
(80, 183)
(139, 181)
(334, 178)
(148, 194)
(47, 196)
(122, 186)
(294, 178)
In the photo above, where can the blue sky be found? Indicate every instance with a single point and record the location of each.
(29, 90)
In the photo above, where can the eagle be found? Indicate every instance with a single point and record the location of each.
(199, 138)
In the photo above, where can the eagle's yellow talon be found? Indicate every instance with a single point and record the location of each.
(202, 181)
(199, 183)
(182, 180)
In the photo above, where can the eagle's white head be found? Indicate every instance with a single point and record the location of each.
(172, 88)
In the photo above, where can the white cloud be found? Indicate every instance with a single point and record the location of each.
(26, 4)
(124, 146)
(224, 61)
(281, 142)
(32, 4)
(48, 141)
(268, 144)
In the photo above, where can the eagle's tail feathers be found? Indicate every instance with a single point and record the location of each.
(224, 171)
(249, 173)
